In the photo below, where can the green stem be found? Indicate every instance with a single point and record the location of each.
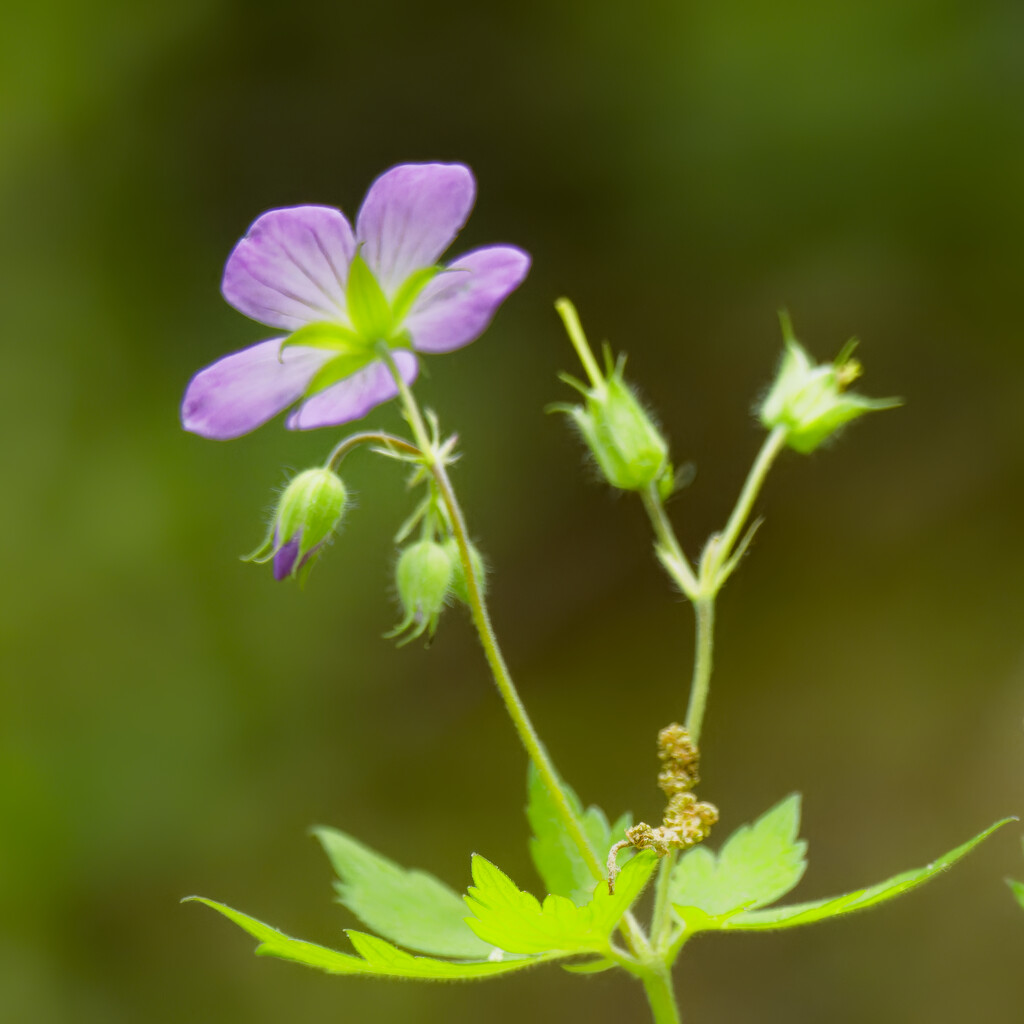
(726, 540)
(681, 570)
(482, 621)
(368, 437)
(661, 995)
(704, 608)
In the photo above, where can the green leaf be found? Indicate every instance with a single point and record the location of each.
(325, 335)
(589, 966)
(859, 899)
(411, 908)
(758, 864)
(368, 306)
(556, 857)
(517, 922)
(377, 957)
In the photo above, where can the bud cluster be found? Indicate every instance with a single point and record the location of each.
(687, 821)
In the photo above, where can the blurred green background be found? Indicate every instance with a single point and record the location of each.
(173, 721)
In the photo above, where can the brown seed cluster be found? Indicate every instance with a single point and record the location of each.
(687, 820)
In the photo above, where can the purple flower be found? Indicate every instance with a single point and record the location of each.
(339, 293)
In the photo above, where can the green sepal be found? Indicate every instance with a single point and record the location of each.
(554, 853)
(812, 402)
(376, 957)
(341, 367)
(758, 864)
(1017, 888)
(325, 335)
(409, 907)
(409, 291)
(860, 899)
(368, 306)
(517, 922)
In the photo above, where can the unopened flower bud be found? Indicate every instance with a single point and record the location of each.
(423, 577)
(308, 513)
(459, 589)
(628, 447)
(811, 402)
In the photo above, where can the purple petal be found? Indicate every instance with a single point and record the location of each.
(245, 389)
(284, 559)
(461, 301)
(291, 267)
(354, 397)
(411, 214)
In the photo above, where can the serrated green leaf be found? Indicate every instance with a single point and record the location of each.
(378, 958)
(562, 869)
(409, 907)
(515, 921)
(757, 865)
(859, 899)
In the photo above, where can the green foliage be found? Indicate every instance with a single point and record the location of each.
(761, 862)
(376, 957)
(368, 306)
(556, 857)
(517, 922)
(409, 907)
(1017, 888)
(758, 864)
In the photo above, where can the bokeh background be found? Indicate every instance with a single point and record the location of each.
(173, 721)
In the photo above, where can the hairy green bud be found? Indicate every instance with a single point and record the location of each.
(811, 402)
(423, 577)
(629, 449)
(309, 511)
(459, 589)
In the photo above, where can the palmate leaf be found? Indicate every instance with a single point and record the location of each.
(747, 917)
(376, 957)
(409, 907)
(556, 857)
(757, 865)
(517, 922)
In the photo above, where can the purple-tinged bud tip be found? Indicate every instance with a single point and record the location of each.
(284, 559)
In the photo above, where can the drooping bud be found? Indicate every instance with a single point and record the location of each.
(308, 513)
(423, 577)
(811, 402)
(459, 589)
(629, 449)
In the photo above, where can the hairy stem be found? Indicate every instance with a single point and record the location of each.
(661, 995)
(482, 621)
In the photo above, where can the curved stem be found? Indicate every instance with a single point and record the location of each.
(482, 621)
(353, 441)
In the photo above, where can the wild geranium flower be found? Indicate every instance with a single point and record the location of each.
(340, 293)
